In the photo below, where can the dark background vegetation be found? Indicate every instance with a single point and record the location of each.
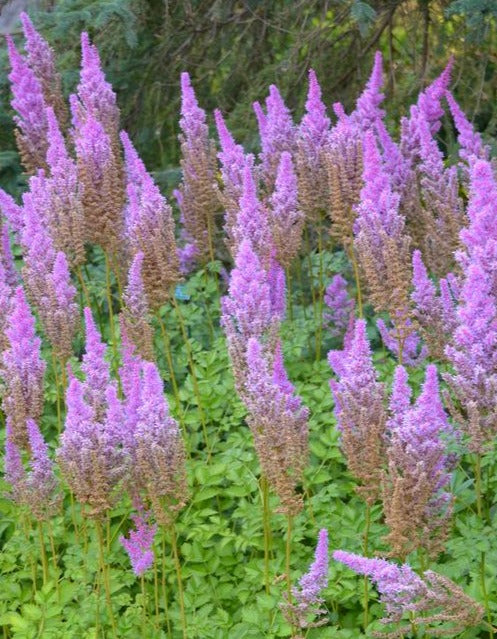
(234, 49)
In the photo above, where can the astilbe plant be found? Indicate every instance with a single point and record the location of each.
(136, 317)
(311, 139)
(91, 455)
(432, 601)
(278, 422)
(383, 246)
(41, 60)
(339, 306)
(277, 134)
(434, 311)
(30, 106)
(470, 142)
(200, 200)
(139, 543)
(233, 161)
(37, 490)
(304, 610)
(360, 412)
(149, 229)
(286, 219)
(22, 370)
(415, 486)
(471, 351)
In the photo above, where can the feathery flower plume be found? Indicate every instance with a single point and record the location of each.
(12, 211)
(5, 297)
(160, 471)
(150, 229)
(199, 191)
(22, 370)
(307, 594)
(339, 306)
(311, 139)
(360, 412)
(66, 214)
(95, 93)
(11, 276)
(277, 133)
(37, 488)
(416, 500)
(247, 310)
(434, 313)
(413, 352)
(367, 111)
(41, 60)
(286, 219)
(433, 601)
(472, 351)
(140, 542)
(136, 311)
(91, 456)
(100, 174)
(383, 246)
(30, 106)
(233, 162)
(343, 161)
(95, 367)
(278, 425)
(470, 142)
(253, 220)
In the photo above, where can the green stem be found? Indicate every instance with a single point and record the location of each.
(319, 327)
(164, 588)
(44, 560)
(54, 558)
(156, 595)
(355, 268)
(290, 293)
(108, 292)
(26, 524)
(177, 564)
(479, 508)
(57, 388)
(367, 527)
(266, 520)
(105, 575)
(289, 523)
(144, 607)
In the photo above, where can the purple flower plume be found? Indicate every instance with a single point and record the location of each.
(139, 543)
(339, 306)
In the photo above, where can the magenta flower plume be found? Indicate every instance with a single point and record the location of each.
(140, 542)
(278, 422)
(136, 311)
(41, 60)
(159, 470)
(399, 586)
(150, 229)
(367, 111)
(470, 141)
(96, 94)
(100, 174)
(429, 101)
(307, 596)
(433, 600)
(233, 162)
(339, 306)
(11, 276)
(91, 457)
(22, 370)
(277, 290)
(14, 473)
(66, 205)
(253, 219)
(311, 140)
(41, 483)
(30, 105)
(287, 220)
(277, 135)
(434, 312)
(12, 211)
(315, 124)
(95, 367)
(400, 399)
(419, 470)
(413, 351)
(199, 192)
(359, 411)
(5, 297)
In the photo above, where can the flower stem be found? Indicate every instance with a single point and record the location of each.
(164, 587)
(367, 526)
(44, 560)
(177, 564)
(104, 573)
(479, 508)
(266, 520)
